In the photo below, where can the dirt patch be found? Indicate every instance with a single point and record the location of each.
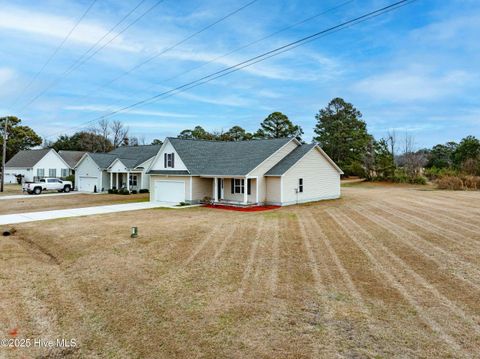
(387, 271)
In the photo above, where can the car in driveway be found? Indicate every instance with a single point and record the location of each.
(47, 184)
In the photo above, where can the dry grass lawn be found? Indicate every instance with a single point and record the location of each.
(11, 189)
(44, 202)
(383, 272)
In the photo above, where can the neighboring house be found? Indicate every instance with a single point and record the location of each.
(275, 171)
(32, 165)
(124, 167)
(72, 158)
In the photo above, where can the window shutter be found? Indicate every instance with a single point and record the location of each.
(165, 160)
(173, 160)
(249, 186)
(232, 185)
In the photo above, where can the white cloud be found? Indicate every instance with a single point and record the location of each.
(107, 108)
(52, 26)
(411, 85)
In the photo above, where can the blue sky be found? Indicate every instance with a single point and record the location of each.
(414, 69)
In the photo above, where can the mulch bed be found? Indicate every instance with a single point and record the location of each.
(242, 209)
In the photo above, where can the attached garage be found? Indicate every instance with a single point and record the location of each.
(87, 184)
(169, 191)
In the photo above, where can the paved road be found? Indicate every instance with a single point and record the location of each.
(85, 211)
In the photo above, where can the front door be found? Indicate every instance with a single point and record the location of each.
(220, 188)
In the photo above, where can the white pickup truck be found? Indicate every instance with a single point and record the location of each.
(47, 184)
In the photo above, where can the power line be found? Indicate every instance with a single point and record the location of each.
(256, 59)
(164, 51)
(59, 47)
(87, 56)
(224, 55)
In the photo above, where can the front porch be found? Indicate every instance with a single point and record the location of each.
(235, 191)
(126, 180)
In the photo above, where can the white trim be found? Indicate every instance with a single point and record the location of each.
(140, 165)
(333, 164)
(158, 153)
(114, 161)
(191, 189)
(266, 159)
(281, 189)
(314, 199)
(256, 189)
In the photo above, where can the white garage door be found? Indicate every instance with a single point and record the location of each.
(87, 184)
(170, 191)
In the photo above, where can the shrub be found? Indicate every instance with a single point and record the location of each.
(434, 172)
(417, 180)
(471, 182)
(114, 191)
(143, 190)
(450, 182)
(110, 191)
(134, 191)
(124, 191)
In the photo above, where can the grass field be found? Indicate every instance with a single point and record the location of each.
(44, 202)
(383, 272)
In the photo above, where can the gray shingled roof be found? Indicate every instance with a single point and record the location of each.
(103, 160)
(225, 158)
(71, 157)
(133, 156)
(27, 158)
(288, 161)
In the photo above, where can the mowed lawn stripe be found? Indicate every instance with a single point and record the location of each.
(444, 259)
(412, 279)
(395, 277)
(441, 213)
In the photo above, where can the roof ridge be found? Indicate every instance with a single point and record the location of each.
(220, 141)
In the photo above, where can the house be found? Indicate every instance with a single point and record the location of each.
(72, 158)
(274, 171)
(32, 165)
(124, 167)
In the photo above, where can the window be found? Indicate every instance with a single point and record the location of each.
(249, 186)
(169, 160)
(53, 180)
(133, 180)
(40, 172)
(300, 185)
(64, 172)
(238, 185)
(52, 172)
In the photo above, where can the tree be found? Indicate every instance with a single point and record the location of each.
(342, 134)
(157, 142)
(277, 125)
(19, 137)
(236, 133)
(441, 156)
(412, 160)
(378, 160)
(63, 142)
(467, 149)
(198, 133)
(119, 133)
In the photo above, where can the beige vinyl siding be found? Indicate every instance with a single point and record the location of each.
(320, 179)
(228, 195)
(268, 164)
(201, 188)
(274, 194)
(185, 179)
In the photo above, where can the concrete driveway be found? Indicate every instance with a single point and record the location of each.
(85, 211)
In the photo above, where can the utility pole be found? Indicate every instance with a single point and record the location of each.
(4, 153)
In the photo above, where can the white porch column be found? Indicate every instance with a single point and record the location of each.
(128, 181)
(245, 191)
(111, 180)
(116, 177)
(215, 189)
(256, 190)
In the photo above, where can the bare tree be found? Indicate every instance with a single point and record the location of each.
(142, 141)
(102, 129)
(392, 140)
(413, 160)
(119, 133)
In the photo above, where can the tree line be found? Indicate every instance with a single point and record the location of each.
(339, 129)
